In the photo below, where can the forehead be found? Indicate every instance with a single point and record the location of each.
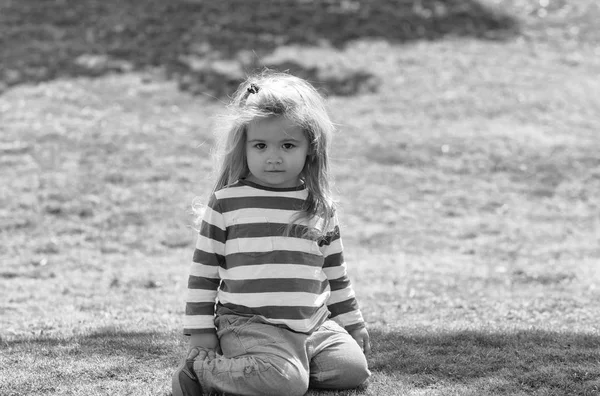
(274, 128)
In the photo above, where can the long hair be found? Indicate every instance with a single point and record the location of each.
(273, 94)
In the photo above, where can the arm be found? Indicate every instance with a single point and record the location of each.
(203, 280)
(342, 303)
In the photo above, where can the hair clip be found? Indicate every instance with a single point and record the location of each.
(253, 89)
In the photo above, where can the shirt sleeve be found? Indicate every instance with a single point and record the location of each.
(342, 302)
(203, 280)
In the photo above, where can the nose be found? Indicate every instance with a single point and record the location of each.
(274, 158)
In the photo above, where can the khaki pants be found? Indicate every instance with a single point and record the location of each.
(262, 359)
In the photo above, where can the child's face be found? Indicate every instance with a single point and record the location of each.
(276, 150)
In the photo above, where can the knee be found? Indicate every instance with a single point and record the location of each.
(287, 379)
(356, 373)
(296, 381)
(350, 374)
(294, 388)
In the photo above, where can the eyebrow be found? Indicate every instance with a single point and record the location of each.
(283, 140)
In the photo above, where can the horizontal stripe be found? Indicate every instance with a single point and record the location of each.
(289, 299)
(213, 202)
(200, 295)
(276, 312)
(274, 285)
(266, 271)
(339, 284)
(333, 259)
(203, 330)
(203, 308)
(195, 282)
(343, 307)
(212, 232)
(263, 229)
(199, 321)
(335, 272)
(245, 191)
(214, 217)
(334, 248)
(248, 215)
(270, 244)
(264, 202)
(255, 230)
(210, 245)
(355, 326)
(276, 256)
(203, 270)
(350, 318)
(207, 259)
(341, 295)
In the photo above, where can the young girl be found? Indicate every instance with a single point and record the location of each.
(269, 253)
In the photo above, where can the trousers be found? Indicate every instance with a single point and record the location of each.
(263, 359)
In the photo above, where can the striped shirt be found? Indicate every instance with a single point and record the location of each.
(245, 263)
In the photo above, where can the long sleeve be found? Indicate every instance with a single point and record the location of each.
(204, 280)
(342, 303)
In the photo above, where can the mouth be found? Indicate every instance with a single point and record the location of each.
(274, 171)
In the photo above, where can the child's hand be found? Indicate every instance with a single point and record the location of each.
(203, 346)
(361, 336)
(201, 354)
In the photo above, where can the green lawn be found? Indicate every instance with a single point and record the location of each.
(468, 185)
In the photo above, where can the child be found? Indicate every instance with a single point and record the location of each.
(269, 252)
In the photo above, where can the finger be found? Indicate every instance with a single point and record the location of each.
(192, 353)
(360, 343)
(202, 355)
(211, 354)
(367, 347)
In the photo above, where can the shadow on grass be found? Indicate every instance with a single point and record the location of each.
(497, 363)
(41, 40)
(504, 363)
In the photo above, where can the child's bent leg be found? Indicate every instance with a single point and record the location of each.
(252, 375)
(337, 362)
(258, 359)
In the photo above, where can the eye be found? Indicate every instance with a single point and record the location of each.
(260, 146)
(288, 146)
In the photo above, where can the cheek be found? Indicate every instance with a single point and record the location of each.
(301, 160)
(250, 157)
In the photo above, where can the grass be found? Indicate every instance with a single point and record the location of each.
(468, 186)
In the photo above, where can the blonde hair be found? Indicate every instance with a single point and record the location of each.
(273, 94)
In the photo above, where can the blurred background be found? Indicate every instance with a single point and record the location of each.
(199, 42)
